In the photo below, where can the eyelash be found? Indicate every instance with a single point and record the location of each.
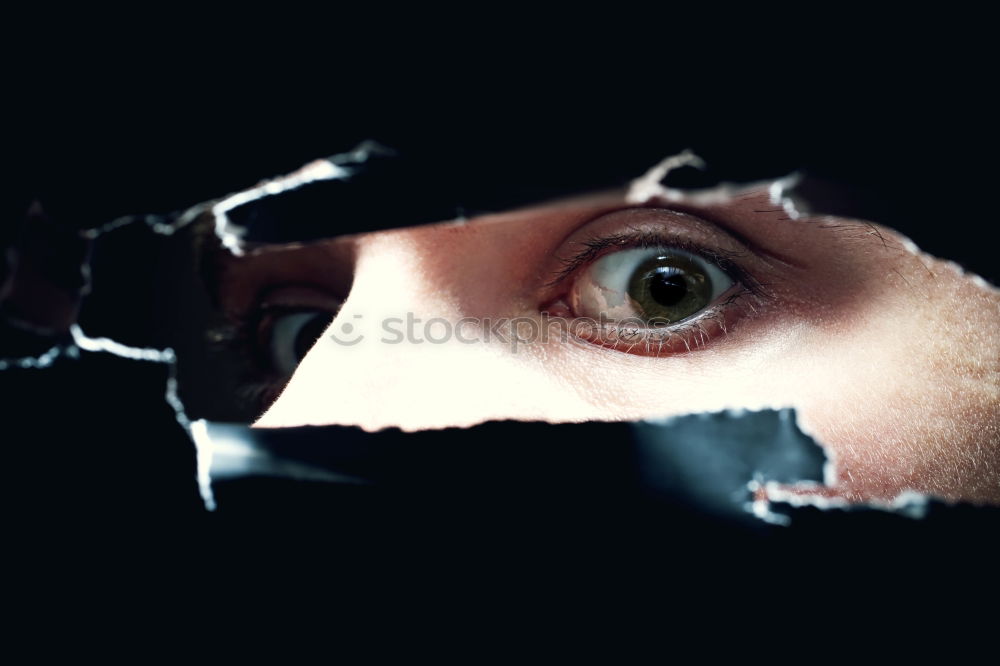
(598, 246)
(692, 334)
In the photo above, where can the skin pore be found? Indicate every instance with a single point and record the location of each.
(890, 357)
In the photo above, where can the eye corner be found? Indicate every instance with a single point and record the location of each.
(271, 333)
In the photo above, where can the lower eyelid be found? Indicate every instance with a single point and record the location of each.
(726, 316)
(748, 298)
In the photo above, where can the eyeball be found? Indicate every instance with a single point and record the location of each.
(293, 335)
(660, 286)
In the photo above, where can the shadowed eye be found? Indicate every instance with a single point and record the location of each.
(659, 286)
(293, 334)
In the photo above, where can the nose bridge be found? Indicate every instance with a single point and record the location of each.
(391, 278)
(392, 297)
(391, 356)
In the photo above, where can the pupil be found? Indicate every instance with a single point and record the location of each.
(667, 288)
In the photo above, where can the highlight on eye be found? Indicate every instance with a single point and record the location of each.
(661, 287)
(654, 292)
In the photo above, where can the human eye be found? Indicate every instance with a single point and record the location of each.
(660, 286)
(289, 336)
(665, 283)
(275, 335)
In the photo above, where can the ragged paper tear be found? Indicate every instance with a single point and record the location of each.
(652, 186)
(337, 167)
(731, 463)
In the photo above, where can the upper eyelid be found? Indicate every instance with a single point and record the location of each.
(712, 218)
(719, 222)
(266, 297)
(598, 246)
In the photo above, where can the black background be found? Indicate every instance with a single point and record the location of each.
(115, 121)
(903, 112)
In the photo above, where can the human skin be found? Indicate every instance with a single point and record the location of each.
(890, 357)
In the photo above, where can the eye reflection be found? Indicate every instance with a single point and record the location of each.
(660, 286)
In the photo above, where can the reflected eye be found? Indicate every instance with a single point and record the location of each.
(292, 335)
(658, 286)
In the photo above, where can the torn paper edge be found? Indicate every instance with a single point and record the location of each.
(759, 507)
(909, 503)
(43, 360)
(203, 452)
(225, 454)
(650, 187)
(332, 168)
(168, 357)
(643, 189)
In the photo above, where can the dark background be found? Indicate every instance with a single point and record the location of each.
(142, 120)
(900, 112)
